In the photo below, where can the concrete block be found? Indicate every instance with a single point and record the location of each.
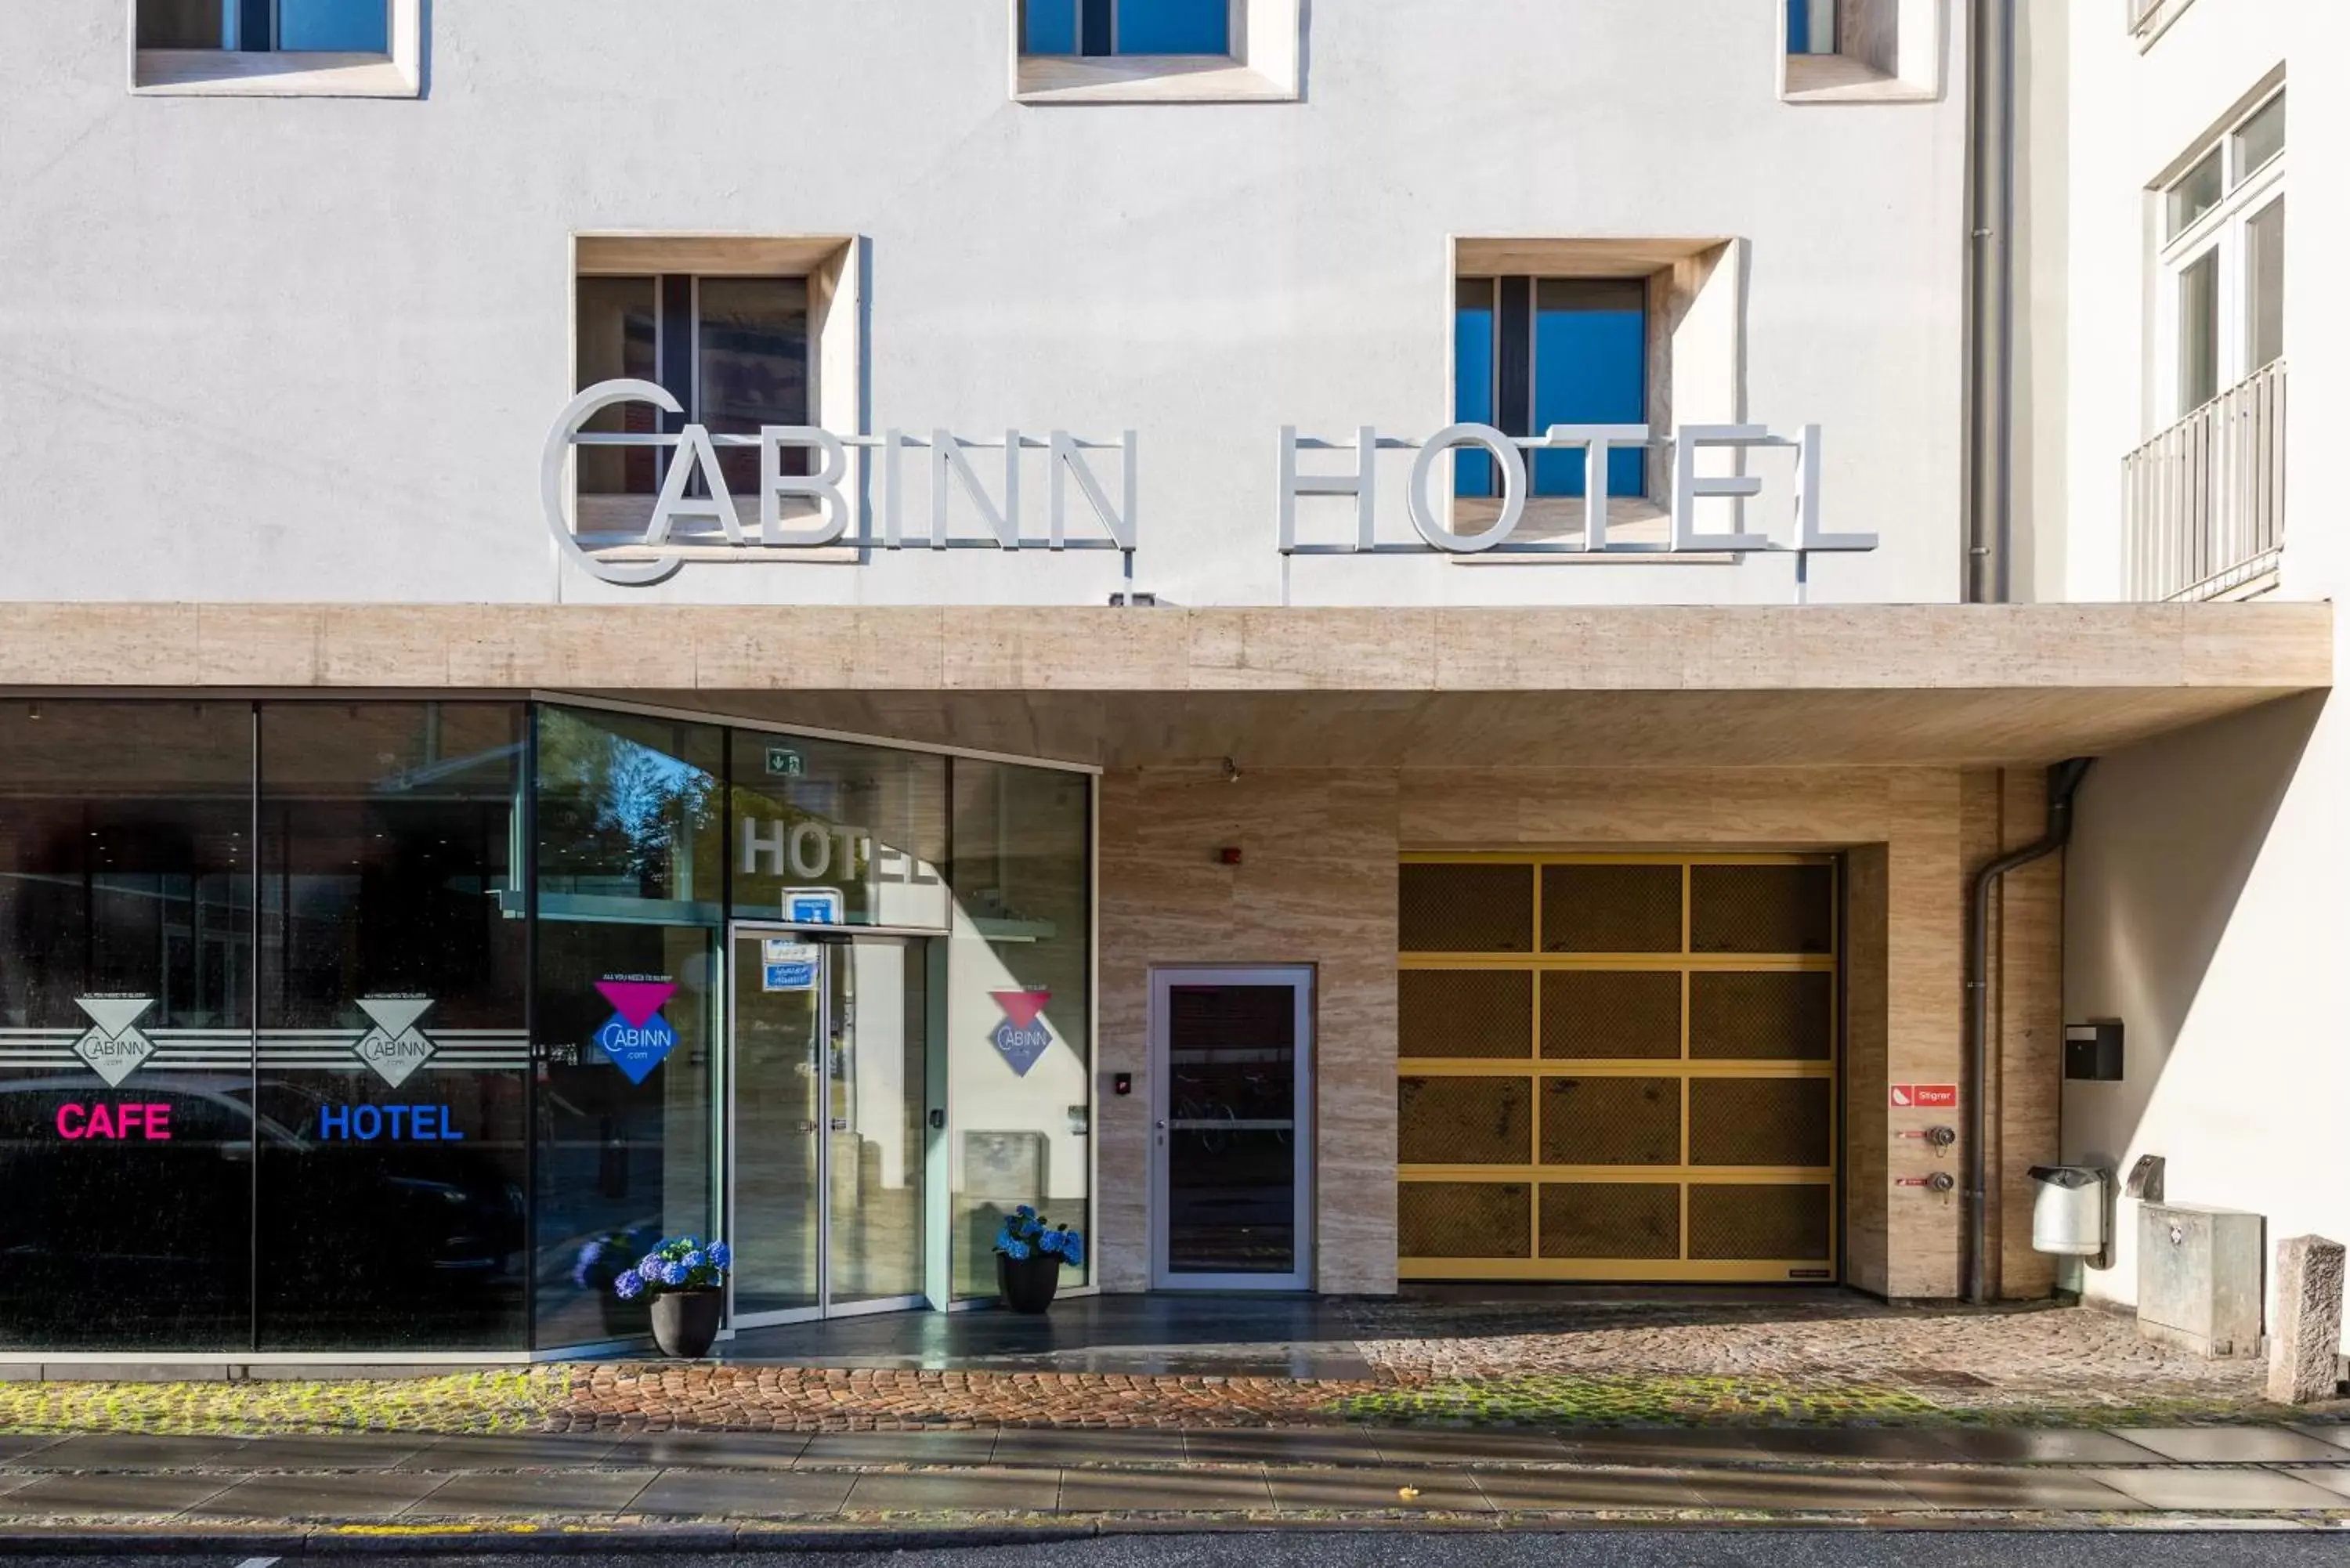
(2304, 1357)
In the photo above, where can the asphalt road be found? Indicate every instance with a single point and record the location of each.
(1397, 1548)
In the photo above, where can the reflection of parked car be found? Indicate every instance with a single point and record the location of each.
(161, 1227)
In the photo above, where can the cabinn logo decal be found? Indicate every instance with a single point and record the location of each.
(1023, 1035)
(395, 1047)
(637, 1037)
(115, 1047)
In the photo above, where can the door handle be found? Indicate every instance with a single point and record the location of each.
(840, 1124)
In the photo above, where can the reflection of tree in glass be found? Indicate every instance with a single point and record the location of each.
(616, 815)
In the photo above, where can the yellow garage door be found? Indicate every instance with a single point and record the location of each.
(1617, 1067)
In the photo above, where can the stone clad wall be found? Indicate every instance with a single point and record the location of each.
(1316, 885)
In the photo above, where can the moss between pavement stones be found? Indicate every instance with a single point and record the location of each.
(516, 1401)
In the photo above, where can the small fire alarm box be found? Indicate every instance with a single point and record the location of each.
(2094, 1052)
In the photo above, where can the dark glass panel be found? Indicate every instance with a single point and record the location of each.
(618, 337)
(1174, 28)
(1472, 380)
(855, 826)
(179, 24)
(1591, 366)
(1232, 1129)
(1021, 1088)
(626, 1033)
(1048, 26)
(394, 1062)
(630, 822)
(357, 27)
(126, 958)
(753, 367)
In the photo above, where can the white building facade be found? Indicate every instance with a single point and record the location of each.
(989, 695)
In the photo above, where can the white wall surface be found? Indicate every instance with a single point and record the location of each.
(259, 348)
(2207, 890)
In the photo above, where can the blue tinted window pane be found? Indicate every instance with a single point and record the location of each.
(360, 26)
(1590, 367)
(1811, 26)
(1174, 28)
(1051, 28)
(1472, 376)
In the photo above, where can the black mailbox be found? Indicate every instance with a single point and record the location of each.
(2094, 1052)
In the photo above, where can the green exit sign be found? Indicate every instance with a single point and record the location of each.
(783, 763)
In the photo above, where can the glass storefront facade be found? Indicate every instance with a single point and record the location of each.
(396, 1027)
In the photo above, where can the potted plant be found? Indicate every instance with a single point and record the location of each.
(686, 1282)
(1030, 1252)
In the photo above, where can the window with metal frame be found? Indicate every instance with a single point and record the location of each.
(1083, 28)
(1812, 26)
(736, 352)
(1530, 353)
(1618, 1066)
(2221, 260)
(267, 27)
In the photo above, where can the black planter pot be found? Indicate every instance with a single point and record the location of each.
(685, 1323)
(1029, 1283)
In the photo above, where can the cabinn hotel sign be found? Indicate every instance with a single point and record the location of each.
(694, 489)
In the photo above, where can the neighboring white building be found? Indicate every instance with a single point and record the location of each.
(1276, 881)
(2170, 310)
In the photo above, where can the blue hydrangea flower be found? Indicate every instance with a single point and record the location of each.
(1072, 1250)
(1026, 1212)
(1050, 1242)
(673, 1273)
(693, 1260)
(649, 1270)
(629, 1287)
(722, 1256)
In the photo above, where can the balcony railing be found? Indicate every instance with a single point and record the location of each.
(2204, 500)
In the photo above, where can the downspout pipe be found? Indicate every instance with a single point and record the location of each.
(1990, 324)
(2063, 783)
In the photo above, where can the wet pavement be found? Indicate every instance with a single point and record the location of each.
(2299, 1474)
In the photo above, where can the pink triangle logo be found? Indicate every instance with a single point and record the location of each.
(637, 1000)
(1022, 1006)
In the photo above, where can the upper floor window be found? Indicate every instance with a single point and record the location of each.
(2222, 259)
(1126, 28)
(743, 333)
(359, 49)
(1531, 353)
(1163, 51)
(1811, 26)
(1861, 50)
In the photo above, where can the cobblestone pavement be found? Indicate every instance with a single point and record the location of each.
(1819, 1363)
(1954, 1356)
(656, 1397)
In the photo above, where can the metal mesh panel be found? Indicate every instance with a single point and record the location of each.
(1611, 1219)
(1466, 909)
(1464, 1218)
(1611, 908)
(1464, 1121)
(1611, 1121)
(1762, 909)
(1739, 1222)
(1781, 1016)
(1759, 1121)
(1464, 1012)
(1592, 1015)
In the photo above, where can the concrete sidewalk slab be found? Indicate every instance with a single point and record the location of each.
(688, 1494)
(1283, 1445)
(521, 1451)
(553, 1493)
(1410, 1445)
(1533, 1491)
(977, 1490)
(1062, 1445)
(2045, 1446)
(2231, 1445)
(1361, 1490)
(720, 1451)
(361, 1495)
(1143, 1491)
(107, 1494)
(2195, 1489)
(972, 1448)
(2332, 1477)
(2019, 1491)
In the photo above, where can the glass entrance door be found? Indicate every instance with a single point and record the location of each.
(1233, 1088)
(827, 1085)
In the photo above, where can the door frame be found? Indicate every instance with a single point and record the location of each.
(1300, 979)
(830, 942)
